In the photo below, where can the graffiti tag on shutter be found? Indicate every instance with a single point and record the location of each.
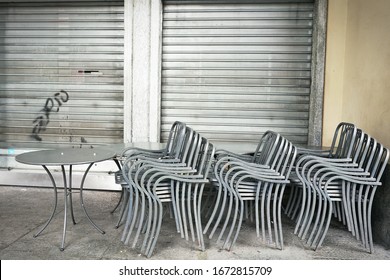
(41, 122)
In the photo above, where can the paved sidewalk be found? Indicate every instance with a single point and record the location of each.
(24, 210)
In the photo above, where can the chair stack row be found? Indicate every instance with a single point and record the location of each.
(211, 193)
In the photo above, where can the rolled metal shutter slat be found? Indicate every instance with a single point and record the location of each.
(235, 69)
(74, 46)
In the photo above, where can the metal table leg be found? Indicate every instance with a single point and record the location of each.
(65, 208)
(67, 197)
(122, 192)
(55, 202)
(82, 199)
(70, 194)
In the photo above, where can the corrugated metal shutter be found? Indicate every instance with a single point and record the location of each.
(61, 73)
(233, 71)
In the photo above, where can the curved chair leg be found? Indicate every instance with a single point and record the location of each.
(198, 222)
(140, 220)
(275, 215)
(257, 200)
(176, 204)
(227, 217)
(309, 220)
(223, 203)
(155, 229)
(174, 209)
(148, 222)
(370, 201)
(148, 238)
(346, 202)
(215, 209)
(240, 218)
(134, 217)
(324, 229)
(354, 213)
(236, 201)
(365, 227)
(303, 205)
(311, 196)
(360, 214)
(262, 211)
(191, 196)
(324, 223)
(268, 213)
(181, 190)
(152, 211)
(317, 220)
(280, 217)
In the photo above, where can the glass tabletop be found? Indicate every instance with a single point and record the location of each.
(66, 156)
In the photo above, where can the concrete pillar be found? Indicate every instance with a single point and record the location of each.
(318, 72)
(142, 70)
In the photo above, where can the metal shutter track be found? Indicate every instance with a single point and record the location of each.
(73, 46)
(233, 71)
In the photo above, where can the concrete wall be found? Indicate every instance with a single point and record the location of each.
(334, 67)
(357, 83)
(357, 76)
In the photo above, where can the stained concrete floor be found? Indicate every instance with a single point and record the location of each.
(24, 210)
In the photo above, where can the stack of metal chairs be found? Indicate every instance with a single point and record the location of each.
(171, 152)
(176, 179)
(189, 180)
(340, 149)
(341, 184)
(251, 187)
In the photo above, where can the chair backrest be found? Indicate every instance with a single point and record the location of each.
(383, 158)
(276, 152)
(264, 148)
(203, 157)
(286, 158)
(369, 155)
(184, 150)
(173, 150)
(376, 159)
(175, 140)
(197, 152)
(343, 140)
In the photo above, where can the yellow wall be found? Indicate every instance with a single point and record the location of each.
(357, 75)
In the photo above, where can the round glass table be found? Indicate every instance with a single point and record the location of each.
(66, 157)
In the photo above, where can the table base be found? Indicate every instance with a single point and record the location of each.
(67, 199)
